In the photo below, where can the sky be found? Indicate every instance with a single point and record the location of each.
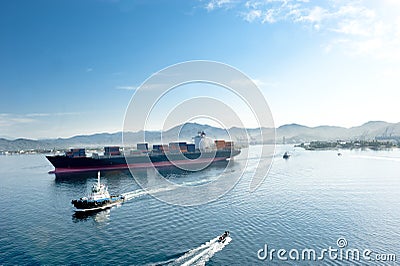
(71, 67)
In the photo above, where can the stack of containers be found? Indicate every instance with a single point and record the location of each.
(183, 146)
(164, 147)
(76, 153)
(157, 148)
(175, 147)
(142, 146)
(160, 148)
(191, 147)
(229, 145)
(220, 144)
(112, 150)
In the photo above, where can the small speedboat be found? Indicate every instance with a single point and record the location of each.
(98, 199)
(223, 237)
(286, 155)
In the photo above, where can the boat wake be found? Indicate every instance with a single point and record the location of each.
(142, 192)
(201, 254)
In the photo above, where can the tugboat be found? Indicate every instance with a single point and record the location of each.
(286, 155)
(223, 237)
(98, 199)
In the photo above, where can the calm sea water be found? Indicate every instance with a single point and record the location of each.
(308, 201)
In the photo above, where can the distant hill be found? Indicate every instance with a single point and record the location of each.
(20, 144)
(368, 131)
(292, 133)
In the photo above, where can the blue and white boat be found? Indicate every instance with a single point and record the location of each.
(98, 199)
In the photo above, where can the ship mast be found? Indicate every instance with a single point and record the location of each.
(98, 178)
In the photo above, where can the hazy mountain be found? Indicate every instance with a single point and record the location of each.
(297, 133)
(368, 131)
(85, 140)
(292, 133)
(20, 144)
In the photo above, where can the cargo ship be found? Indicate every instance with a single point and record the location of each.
(202, 151)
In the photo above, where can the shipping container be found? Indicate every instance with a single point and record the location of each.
(183, 148)
(191, 147)
(112, 150)
(174, 146)
(76, 152)
(165, 147)
(220, 144)
(160, 148)
(229, 144)
(156, 146)
(143, 146)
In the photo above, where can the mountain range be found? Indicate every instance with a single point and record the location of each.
(291, 133)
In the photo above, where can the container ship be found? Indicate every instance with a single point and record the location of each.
(202, 151)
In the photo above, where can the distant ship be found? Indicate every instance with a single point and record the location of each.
(202, 151)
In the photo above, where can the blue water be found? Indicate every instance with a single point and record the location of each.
(308, 201)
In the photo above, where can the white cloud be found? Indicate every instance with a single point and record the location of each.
(266, 83)
(10, 119)
(217, 4)
(269, 16)
(252, 15)
(129, 88)
(356, 27)
(316, 14)
(51, 114)
(352, 27)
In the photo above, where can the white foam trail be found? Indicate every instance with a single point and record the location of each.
(210, 248)
(193, 251)
(133, 194)
(141, 192)
(216, 248)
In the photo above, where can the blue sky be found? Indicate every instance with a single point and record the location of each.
(71, 67)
